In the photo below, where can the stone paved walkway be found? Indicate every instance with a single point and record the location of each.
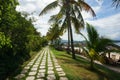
(43, 67)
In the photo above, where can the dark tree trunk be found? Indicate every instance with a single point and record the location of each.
(69, 25)
(109, 55)
(72, 44)
(68, 47)
(92, 63)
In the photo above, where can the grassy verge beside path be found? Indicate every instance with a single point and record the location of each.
(79, 69)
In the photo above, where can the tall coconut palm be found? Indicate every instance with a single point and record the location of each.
(95, 44)
(70, 11)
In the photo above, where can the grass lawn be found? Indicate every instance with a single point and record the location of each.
(79, 69)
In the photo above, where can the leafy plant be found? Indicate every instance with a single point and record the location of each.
(95, 45)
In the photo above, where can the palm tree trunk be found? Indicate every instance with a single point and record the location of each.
(92, 63)
(109, 55)
(68, 48)
(72, 44)
(69, 25)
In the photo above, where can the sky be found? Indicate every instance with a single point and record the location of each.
(106, 22)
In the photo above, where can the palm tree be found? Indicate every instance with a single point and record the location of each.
(70, 11)
(53, 35)
(53, 32)
(95, 44)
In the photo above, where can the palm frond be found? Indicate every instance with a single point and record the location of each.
(55, 18)
(77, 10)
(84, 6)
(77, 24)
(53, 32)
(58, 17)
(93, 54)
(116, 3)
(102, 44)
(52, 19)
(78, 7)
(49, 7)
(73, 11)
(63, 27)
(93, 36)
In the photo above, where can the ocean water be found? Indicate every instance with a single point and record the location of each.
(118, 43)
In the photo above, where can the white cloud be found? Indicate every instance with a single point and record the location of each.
(109, 22)
(100, 2)
(87, 15)
(96, 9)
(115, 35)
(43, 29)
(109, 26)
(42, 3)
(29, 7)
(30, 0)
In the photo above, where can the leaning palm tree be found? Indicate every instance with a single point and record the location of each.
(53, 35)
(95, 44)
(70, 11)
(53, 32)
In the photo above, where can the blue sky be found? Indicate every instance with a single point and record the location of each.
(104, 8)
(107, 20)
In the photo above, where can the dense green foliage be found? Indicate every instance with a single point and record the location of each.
(17, 38)
(5, 44)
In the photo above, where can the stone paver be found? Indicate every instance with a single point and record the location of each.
(30, 78)
(20, 76)
(51, 77)
(42, 70)
(34, 69)
(27, 67)
(59, 69)
(42, 67)
(61, 73)
(37, 67)
(63, 78)
(40, 79)
(30, 64)
(43, 64)
(58, 66)
(24, 71)
(41, 75)
(32, 73)
(50, 68)
(50, 65)
(51, 72)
